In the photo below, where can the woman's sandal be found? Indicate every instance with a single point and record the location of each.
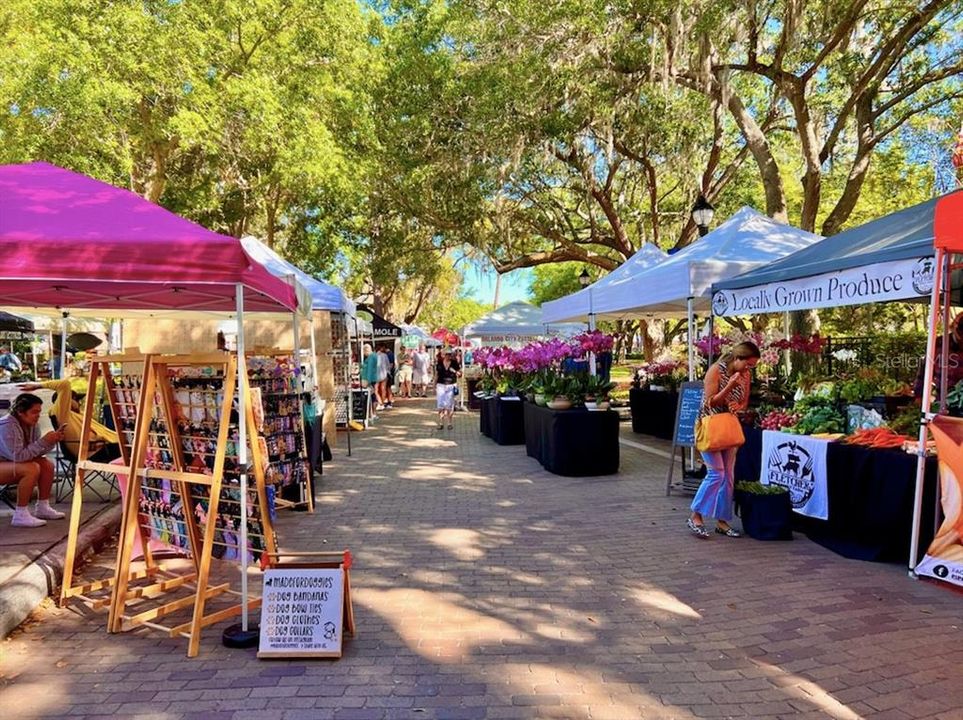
(728, 532)
(697, 530)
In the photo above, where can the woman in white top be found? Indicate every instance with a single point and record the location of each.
(421, 376)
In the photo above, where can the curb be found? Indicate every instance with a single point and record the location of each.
(21, 594)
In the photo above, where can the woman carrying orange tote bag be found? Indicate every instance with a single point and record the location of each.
(719, 435)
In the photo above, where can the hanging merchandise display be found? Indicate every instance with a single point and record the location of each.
(187, 472)
(279, 401)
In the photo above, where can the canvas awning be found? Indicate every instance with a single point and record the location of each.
(890, 258)
(579, 305)
(517, 321)
(381, 329)
(323, 296)
(745, 241)
(74, 242)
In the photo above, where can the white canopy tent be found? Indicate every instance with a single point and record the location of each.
(423, 335)
(681, 285)
(580, 305)
(515, 322)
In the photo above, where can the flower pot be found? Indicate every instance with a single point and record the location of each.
(603, 405)
(560, 403)
(540, 399)
(591, 405)
(658, 388)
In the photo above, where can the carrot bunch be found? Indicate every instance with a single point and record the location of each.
(882, 437)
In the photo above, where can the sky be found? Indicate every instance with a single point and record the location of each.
(481, 285)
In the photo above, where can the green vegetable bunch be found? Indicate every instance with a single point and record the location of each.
(757, 488)
(818, 415)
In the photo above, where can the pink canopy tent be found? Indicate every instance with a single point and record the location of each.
(74, 242)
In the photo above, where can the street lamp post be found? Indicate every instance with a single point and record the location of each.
(702, 213)
(585, 280)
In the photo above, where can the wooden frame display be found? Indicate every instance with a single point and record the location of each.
(183, 447)
(123, 397)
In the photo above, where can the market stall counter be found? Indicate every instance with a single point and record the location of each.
(574, 443)
(502, 419)
(869, 493)
(653, 412)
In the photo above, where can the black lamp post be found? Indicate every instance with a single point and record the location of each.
(584, 279)
(702, 213)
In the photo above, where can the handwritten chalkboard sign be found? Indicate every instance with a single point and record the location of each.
(359, 404)
(686, 413)
(302, 613)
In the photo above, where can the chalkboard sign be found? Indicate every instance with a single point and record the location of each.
(686, 414)
(302, 613)
(359, 404)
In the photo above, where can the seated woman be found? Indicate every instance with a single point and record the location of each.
(22, 460)
(103, 442)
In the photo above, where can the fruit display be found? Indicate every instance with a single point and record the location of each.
(779, 419)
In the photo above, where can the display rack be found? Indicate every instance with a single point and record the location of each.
(277, 381)
(341, 368)
(186, 446)
(122, 392)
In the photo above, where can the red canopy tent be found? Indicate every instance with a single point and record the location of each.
(74, 242)
(446, 337)
(944, 558)
(70, 241)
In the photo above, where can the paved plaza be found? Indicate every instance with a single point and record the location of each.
(485, 587)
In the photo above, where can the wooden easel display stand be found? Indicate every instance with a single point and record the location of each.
(182, 451)
(123, 397)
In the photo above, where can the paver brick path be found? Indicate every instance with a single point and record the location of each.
(485, 587)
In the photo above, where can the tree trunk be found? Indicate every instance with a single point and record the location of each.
(762, 154)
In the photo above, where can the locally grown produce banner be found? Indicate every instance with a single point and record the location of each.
(944, 558)
(895, 280)
(797, 463)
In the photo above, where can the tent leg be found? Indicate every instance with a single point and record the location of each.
(787, 356)
(690, 342)
(935, 300)
(591, 326)
(63, 345)
(242, 451)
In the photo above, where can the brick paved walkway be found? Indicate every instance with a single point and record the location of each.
(487, 588)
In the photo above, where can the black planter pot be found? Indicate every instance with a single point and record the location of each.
(765, 517)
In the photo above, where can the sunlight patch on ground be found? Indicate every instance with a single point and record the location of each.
(506, 503)
(664, 604)
(455, 631)
(31, 699)
(810, 692)
(460, 542)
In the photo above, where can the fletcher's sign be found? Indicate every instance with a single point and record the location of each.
(895, 280)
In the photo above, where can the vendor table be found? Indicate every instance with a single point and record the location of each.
(653, 412)
(502, 420)
(474, 403)
(870, 499)
(575, 443)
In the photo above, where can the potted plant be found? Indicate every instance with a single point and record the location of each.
(558, 392)
(766, 510)
(597, 391)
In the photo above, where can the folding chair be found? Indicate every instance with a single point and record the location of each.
(65, 468)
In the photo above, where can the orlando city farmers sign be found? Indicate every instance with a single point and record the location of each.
(894, 280)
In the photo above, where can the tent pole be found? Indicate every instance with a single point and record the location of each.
(787, 356)
(591, 327)
(935, 300)
(63, 345)
(690, 333)
(316, 385)
(299, 376)
(242, 448)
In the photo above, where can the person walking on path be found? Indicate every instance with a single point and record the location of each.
(369, 378)
(446, 379)
(421, 374)
(384, 370)
(726, 388)
(22, 460)
(405, 373)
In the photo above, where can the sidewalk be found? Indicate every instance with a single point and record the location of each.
(32, 559)
(485, 587)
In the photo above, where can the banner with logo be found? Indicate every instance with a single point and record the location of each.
(895, 280)
(944, 557)
(798, 463)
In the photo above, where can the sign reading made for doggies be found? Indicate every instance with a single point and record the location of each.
(302, 613)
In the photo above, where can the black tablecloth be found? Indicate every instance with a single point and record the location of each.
(502, 420)
(653, 412)
(471, 385)
(576, 443)
(870, 499)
